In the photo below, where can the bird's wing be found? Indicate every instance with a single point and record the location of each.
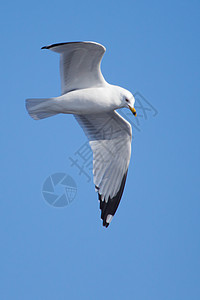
(79, 64)
(110, 139)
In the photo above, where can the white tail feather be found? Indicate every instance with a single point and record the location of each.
(39, 108)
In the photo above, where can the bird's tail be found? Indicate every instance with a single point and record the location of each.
(40, 108)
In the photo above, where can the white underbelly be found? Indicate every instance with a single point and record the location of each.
(86, 101)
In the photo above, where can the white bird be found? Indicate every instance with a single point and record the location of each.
(93, 101)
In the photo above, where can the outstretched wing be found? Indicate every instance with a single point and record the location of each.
(110, 139)
(79, 64)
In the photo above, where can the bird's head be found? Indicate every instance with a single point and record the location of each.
(129, 101)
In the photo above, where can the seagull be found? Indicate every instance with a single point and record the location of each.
(93, 102)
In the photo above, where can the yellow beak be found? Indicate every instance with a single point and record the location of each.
(133, 111)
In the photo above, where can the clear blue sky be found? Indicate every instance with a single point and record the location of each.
(151, 249)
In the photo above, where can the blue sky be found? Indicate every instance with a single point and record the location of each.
(151, 249)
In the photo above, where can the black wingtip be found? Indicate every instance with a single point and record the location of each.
(69, 43)
(59, 44)
(110, 207)
(106, 224)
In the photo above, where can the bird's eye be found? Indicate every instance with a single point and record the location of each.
(126, 100)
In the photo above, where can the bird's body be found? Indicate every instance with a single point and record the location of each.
(93, 101)
(86, 101)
